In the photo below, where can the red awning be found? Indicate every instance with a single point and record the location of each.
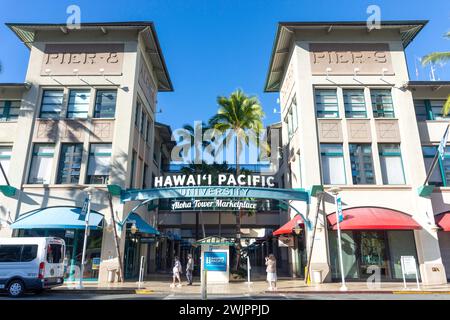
(289, 226)
(373, 218)
(443, 220)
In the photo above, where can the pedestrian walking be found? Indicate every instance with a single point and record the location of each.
(189, 269)
(271, 263)
(177, 270)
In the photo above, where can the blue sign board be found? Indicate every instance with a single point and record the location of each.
(339, 208)
(84, 209)
(215, 261)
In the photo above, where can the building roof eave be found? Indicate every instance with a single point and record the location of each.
(408, 29)
(26, 33)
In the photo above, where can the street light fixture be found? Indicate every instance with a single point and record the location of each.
(134, 228)
(335, 191)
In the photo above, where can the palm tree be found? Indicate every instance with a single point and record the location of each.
(238, 113)
(441, 57)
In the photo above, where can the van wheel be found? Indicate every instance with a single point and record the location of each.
(16, 288)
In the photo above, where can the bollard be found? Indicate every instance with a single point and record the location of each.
(204, 284)
(141, 271)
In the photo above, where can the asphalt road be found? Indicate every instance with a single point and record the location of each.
(159, 296)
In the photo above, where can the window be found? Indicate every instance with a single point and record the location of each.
(436, 109)
(149, 131)
(70, 163)
(382, 103)
(5, 159)
(55, 253)
(9, 110)
(10, 253)
(138, 114)
(41, 163)
(326, 103)
(436, 177)
(145, 127)
(78, 106)
(362, 164)
(421, 109)
(51, 105)
(29, 253)
(99, 164)
(355, 104)
(105, 104)
(145, 184)
(333, 168)
(142, 123)
(429, 109)
(391, 164)
(291, 118)
(133, 168)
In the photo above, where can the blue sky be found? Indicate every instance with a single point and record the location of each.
(212, 47)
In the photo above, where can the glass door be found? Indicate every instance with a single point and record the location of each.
(372, 253)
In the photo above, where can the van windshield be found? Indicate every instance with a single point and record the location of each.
(55, 253)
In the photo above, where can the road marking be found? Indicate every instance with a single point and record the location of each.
(144, 291)
(421, 292)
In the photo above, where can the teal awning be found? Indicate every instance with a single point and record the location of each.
(57, 218)
(142, 226)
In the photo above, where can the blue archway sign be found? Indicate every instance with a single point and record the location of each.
(191, 192)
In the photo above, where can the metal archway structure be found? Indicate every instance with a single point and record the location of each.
(192, 192)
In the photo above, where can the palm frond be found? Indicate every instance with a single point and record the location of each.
(446, 107)
(435, 57)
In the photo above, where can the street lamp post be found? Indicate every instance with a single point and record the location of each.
(335, 191)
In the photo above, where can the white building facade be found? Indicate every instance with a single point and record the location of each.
(349, 122)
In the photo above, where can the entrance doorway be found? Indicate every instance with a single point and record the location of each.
(132, 254)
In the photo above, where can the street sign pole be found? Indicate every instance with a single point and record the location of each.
(86, 231)
(337, 200)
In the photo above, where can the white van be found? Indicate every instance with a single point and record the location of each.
(31, 264)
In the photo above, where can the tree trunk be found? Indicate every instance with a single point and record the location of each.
(238, 214)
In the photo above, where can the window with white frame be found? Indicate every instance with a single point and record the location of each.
(5, 160)
(333, 167)
(354, 102)
(70, 163)
(51, 104)
(362, 164)
(41, 163)
(78, 106)
(9, 110)
(391, 163)
(105, 104)
(99, 163)
(326, 103)
(382, 104)
(291, 118)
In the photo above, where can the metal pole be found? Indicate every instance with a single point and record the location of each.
(248, 269)
(86, 230)
(341, 263)
(141, 271)
(204, 285)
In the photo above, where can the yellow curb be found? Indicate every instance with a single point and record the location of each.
(144, 291)
(421, 292)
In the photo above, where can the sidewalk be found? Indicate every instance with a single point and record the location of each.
(256, 287)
